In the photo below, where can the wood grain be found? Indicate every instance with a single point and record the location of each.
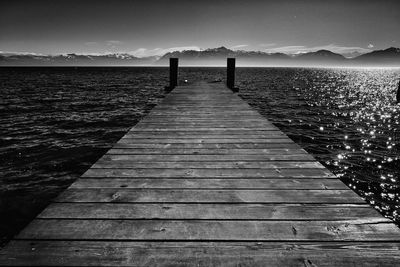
(224, 183)
(129, 230)
(208, 196)
(210, 211)
(204, 180)
(257, 254)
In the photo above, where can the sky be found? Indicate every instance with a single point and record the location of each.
(154, 27)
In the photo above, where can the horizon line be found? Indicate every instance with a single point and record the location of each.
(131, 53)
(201, 66)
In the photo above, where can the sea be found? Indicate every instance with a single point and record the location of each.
(57, 121)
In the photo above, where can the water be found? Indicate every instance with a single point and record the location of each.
(56, 122)
(346, 118)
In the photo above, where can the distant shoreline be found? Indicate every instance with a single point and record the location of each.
(197, 66)
(213, 57)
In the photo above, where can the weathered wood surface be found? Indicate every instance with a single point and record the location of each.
(207, 183)
(113, 253)
(123, 195)
(204, 180)
(204, 211)
(208, 173)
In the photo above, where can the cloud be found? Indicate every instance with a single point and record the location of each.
(91, 43)
(114, 42)
(267, 45)
(239, 46)
(10, 53)
(291, 49)
(144, 52)
(298, 49)
(140, 52)
(108, 43)
(180, 48)
(370, 46)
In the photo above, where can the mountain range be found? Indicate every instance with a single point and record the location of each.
(214, 56)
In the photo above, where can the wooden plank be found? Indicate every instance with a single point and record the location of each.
(272, 134)
(226, 183)
(234, 122)
(198, 158)
(213, 146)
(202, 116)
(208, 196)
(115, 162)
(201, 110)
(209, 173)
(183, 128)
(194, 126)
(196, 119)
(176, 133)
(203, 141)
(129, 230)
(203, 151)
(178, 118)
(206, 122)
(209, 211)
(213, 158)
(257, 254)
(193, 121)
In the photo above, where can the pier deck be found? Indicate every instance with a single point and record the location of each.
(205, 180)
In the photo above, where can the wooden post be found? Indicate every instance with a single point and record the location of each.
(398, 94)
(173, 74)
(230, 74)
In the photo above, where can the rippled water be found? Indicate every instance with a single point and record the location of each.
(56, 122)
(347, 118)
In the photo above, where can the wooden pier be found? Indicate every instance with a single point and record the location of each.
(204, 180)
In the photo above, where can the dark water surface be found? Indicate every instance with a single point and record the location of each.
(56, 122)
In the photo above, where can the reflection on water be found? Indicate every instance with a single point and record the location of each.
(347, 118)
(56, 122)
